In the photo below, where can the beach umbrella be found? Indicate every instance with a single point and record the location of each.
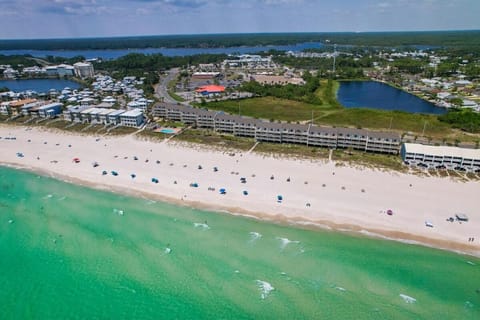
(133, 175)
(104, 172)
(390, 212)
(245, 192)
(222, 191)
(279, 198)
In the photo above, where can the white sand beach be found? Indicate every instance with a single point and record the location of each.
(318, 193)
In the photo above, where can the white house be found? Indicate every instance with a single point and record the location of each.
(132, 118)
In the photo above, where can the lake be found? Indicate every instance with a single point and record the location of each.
(377, 95)
(38, 85)
(114, 54)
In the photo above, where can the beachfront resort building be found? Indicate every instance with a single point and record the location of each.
(372, 141)
(132, 118)
(17, 107)
(441, 157)
(50, 110)
(106, 116)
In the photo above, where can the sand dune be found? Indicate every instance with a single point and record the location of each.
(318, 193)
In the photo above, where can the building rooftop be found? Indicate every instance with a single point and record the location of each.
(20, 103)
(132, 113)
(50, 105)
(211, 89)
(116, 112)
(442, 151)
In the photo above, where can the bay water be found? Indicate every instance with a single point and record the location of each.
(38, 85)
(71, 252)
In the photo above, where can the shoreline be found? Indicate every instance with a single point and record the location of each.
(354, 217)
(296, 222)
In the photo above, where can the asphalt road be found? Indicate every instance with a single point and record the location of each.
(161, 91)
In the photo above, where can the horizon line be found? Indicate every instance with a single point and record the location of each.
(237, 33)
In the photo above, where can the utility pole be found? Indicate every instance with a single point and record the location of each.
(239, 108)
(312, 117)
(424, 126)
(391, 120)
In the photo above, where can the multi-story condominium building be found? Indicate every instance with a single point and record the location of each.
(225, 122)
(384, 142)
(61, 70)
(295, 133)
(205, 118)
(114, 117)
(189, 115)
(47, 111)
(269, 132)
(322, 137)
(441, 157)
(84, 70)
(132, 118)
(245, 127)
(17, 107)
(5, 108)
(103, 115)
(92, 115)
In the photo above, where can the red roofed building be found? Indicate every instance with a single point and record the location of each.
(211, 89)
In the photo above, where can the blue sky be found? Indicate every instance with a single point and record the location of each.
(96, 18)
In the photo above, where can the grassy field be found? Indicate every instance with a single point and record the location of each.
(272, 108)
(266, 108)
(171, 91)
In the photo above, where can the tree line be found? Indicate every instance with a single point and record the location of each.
(302, 93)
(387, 39)
(466, 120)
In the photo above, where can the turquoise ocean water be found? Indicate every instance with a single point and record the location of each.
(69, 252)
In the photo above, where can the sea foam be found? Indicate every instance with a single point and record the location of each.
(265, 288)
(285, 242)
(119, 212)
(254, 236)
(407, 299)
(201, 225)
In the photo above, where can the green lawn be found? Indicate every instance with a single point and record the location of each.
(270, 108)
